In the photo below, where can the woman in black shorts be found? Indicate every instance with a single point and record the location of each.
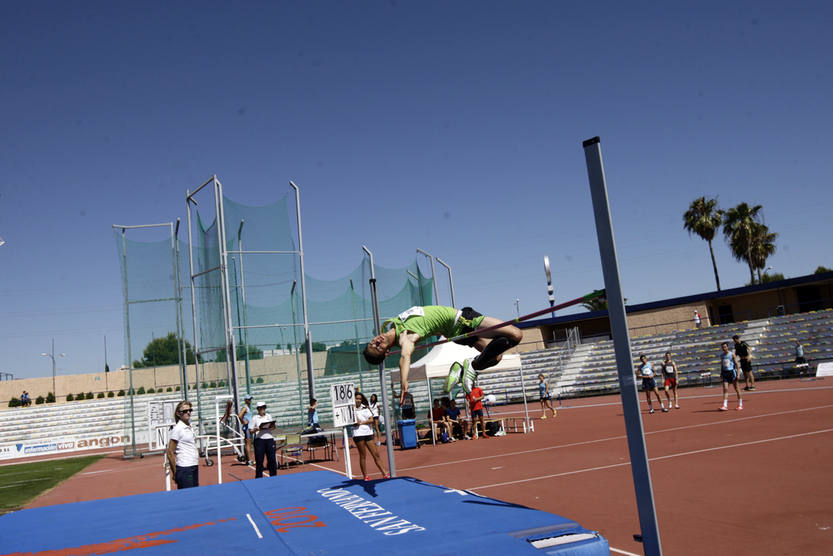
(363, 436)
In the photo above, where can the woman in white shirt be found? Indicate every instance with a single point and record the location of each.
(374, 408)
(363, 436)
(183, 457)
(262, 426)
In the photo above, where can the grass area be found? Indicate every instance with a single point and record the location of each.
(22, 482)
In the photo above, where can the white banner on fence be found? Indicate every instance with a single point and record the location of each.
(62, 445)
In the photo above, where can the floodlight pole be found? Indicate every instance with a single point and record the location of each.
(433, 275)
(450, 280)
(622, 347)
(307, 339)
(549, 282)
(52, 356)
(382, 382)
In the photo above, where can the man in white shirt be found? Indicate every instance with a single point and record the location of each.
(262, 426)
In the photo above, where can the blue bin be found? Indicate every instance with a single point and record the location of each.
(407, 434)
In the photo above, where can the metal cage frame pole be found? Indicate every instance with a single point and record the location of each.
(622, 347)
(231, 345)
(307, 338)
(382, 375)
(127, 303)
(450, 280)
(295, 346)
(197, 374)
(243, 294)
(129, 351)
(179, 320)
(356, 334)
(433, 275)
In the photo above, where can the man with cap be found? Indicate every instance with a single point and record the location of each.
(244, 416)
(262, 426)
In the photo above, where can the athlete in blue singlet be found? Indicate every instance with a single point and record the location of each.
(649, 384)
(729, 366)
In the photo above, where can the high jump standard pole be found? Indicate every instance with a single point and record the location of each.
(622, 347)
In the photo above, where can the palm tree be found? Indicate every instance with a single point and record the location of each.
(763, 247)
(595, 304)
(737, 227)
(704, 218)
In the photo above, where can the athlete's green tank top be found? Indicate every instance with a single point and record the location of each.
(431, 320)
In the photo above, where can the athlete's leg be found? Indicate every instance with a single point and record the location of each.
(361, 446)
(498, 341)
(375, 455)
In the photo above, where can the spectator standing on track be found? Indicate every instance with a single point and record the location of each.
(669, 374)
(374, 409)
(407, 328)
(743, 351)
(649, 384)
(475, 399)
(729, 365)
(182, 454)
(245, 417)
(545, 396)
(363, 437)
(799, 352)
(262, 424)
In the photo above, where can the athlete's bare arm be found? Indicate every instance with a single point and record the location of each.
(407, 341)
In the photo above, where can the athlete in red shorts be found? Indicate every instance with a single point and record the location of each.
(669, 373)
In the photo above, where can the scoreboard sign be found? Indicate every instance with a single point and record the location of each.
(344, 404)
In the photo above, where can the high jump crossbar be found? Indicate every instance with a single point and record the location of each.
(592, 295)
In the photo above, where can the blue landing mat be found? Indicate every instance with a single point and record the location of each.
(318, 512)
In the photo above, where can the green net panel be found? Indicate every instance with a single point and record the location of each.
(266, 311)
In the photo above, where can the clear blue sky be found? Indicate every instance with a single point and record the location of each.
(455, 127)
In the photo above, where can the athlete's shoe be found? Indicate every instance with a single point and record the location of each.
(366, 478)
(651, 410)
(386, 476)
(739, 408)
(751, 388)
(544, 416)
(455, 373)
(554, 413)
(724, 408)
(676, 407)
(665, 410)
(469, 377)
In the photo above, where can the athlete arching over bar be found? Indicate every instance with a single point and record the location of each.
(407, 328)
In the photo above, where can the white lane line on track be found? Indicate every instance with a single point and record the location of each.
(255, 526)
(618, 551)
(621, 437)
(716, 394)
(669, 456)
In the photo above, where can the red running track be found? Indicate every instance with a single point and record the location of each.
(738, 482)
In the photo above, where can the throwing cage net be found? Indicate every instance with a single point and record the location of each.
(254, 321)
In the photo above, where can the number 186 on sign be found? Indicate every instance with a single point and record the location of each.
(342, 394)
